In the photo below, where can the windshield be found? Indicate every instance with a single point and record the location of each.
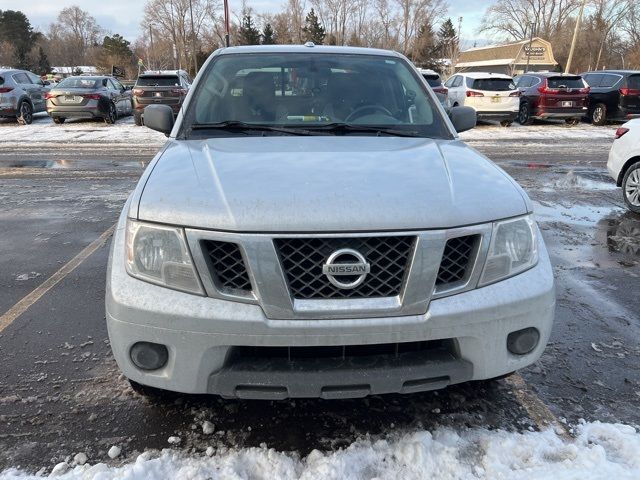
(432, 80)
(313, 92)
(565, 82)
(493, 84)
(158, 81)
(634, 82)
(78, 82)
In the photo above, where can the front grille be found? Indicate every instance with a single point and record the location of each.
(227, 266)
(456, 259)
(302, 260)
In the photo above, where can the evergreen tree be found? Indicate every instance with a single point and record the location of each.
(425, 52)
(42, 63)
(447, 44)
(268, 35)
(16, 30)
(248, 34)
(117, 46)
(313, 31)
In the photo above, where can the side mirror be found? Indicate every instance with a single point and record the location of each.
(159, 118)
(463, 118)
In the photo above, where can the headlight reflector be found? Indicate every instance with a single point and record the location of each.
(160, 255)
(513, 249)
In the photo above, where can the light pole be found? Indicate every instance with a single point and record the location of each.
(226, 22)
(531, 27)
(193, 39)
(575, 37)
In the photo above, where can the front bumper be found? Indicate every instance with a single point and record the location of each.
(202, 335)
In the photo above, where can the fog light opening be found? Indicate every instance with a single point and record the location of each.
(149, 356)
(523, 341)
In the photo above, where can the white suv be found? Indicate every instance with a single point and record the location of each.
(493, 96)
(624, 163)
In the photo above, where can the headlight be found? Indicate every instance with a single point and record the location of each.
(513, 249)
(160, 255)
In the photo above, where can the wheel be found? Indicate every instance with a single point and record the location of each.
(25, 116)
(506, 123)
(631, 187)
(59, 120)
(572, 121)
(599, 114)
(524, 115)
(137, 120)
(112, 115)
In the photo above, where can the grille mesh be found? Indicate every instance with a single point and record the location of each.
(227, 266)
(456, 259)
(302, 260)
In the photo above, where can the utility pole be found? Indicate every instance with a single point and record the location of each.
(193, 39)
(575, 37)
(532, 25)
(226, 22)
(152, 51)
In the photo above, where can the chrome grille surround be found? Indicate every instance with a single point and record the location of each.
(270, 286)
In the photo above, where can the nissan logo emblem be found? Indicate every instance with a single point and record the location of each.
(346, 263)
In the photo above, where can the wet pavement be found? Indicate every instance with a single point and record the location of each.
(61, 392)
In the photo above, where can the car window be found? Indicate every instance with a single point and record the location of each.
(78, 82)
(432, 80)
(493, 84)
(21, 78)
(34, 78)
(1, 80)
(593, 79)
(158, 81)
(458, 81)
(565, 82)
(449, 82)
(524, 81)
(304, 91)
(609, 80)
(633, 82)
(117, 85)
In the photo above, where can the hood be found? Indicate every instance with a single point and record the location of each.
(326, 183)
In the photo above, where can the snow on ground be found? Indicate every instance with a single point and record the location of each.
(540, 132)
(599, 451)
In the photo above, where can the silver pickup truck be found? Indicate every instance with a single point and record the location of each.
(314, 227)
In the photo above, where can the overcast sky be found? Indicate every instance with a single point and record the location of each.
(123, 16)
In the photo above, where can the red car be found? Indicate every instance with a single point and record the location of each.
(552, 96)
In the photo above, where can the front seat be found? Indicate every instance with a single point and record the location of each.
(258, 94)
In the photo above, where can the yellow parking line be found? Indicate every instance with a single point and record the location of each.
(26, 302)
(536, 408)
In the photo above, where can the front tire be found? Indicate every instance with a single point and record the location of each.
(58, 120)
(25, 115)
(599, 115)
(137, 119)
(631, 187)
(112, 115)
(524, 115)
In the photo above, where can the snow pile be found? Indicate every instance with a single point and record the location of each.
(600, 451)
(551, 132)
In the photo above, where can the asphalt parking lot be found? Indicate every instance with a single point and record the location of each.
(61, 392)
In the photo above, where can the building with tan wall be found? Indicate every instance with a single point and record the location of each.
(510, 58)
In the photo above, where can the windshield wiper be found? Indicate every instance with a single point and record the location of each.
(234, 125)
(350, 128)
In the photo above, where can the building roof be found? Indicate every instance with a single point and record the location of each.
(488, 63)
(536, 51)
(484, 75)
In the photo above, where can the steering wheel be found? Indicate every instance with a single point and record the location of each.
(364, 109)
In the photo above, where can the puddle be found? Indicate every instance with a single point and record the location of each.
(623, 233)
(530, 165)
(584, 215)
(76, 164)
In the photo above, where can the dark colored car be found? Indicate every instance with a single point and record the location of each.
(22, 94)
(552, 96)
(614, 95)
(435, 82)
(160, 88)
(88, 97)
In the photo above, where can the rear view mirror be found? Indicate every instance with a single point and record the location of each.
(463, 118)
(159, 118)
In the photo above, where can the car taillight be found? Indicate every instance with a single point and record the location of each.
(443, 90)
(473, 93)
(6, 89)
(517, 93)
(49, 95)
(621, 131)
(92, 96)
(137, 92)
(584, 91)
(629, 91)
(181, 91)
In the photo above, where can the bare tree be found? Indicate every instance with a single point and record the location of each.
(74, 34)
(511, 18)
(608, 14)
(415, 14)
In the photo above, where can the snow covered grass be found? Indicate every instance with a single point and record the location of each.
(551, 131)
(599, 451)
